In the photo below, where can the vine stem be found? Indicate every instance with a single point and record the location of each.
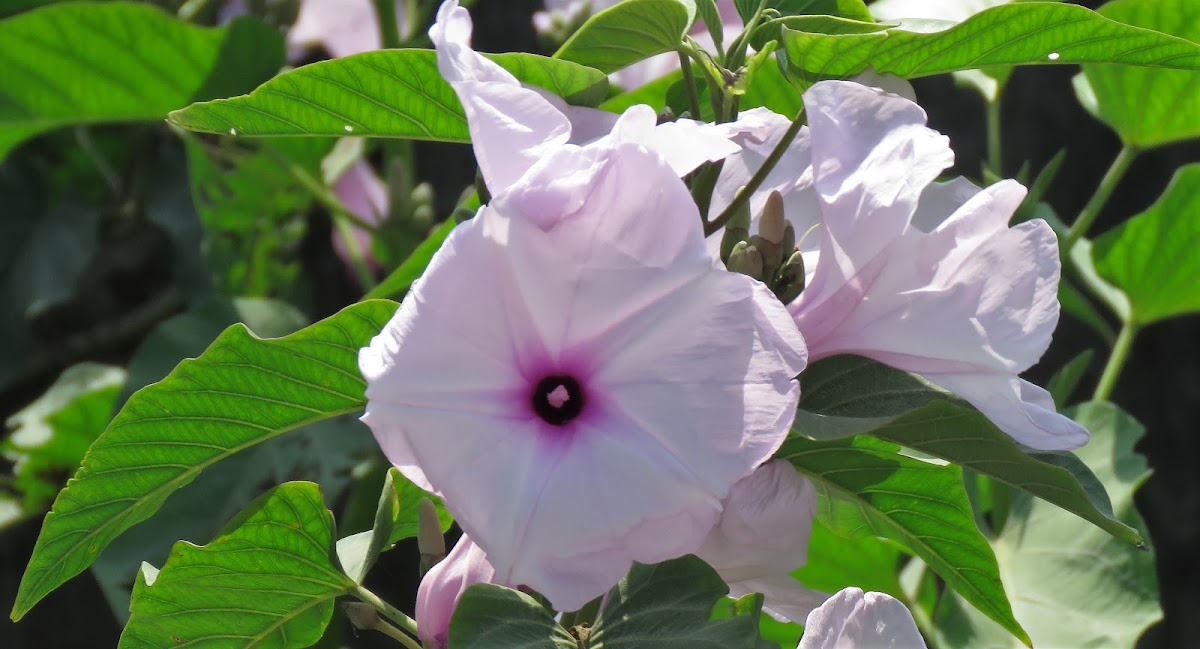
(1116, 362)
(689, 80)
(994, 141)
(1092, 210)
(758, 178)
(389, 28)
(387, 610)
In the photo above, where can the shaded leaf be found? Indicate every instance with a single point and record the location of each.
(493, 617)
(869, 489)
(1071, 584)
(268, 580)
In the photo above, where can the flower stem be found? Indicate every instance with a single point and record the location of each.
(994, 142)
(389, 28)
(387, 610)
(689, 80)
(1092, 210)
(1116, 361)
(758, 178)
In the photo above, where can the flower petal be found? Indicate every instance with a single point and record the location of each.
(852, 619)
(440, 588)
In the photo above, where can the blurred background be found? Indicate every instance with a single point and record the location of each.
(114, 255)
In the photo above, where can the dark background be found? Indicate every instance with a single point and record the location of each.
(1160, 386)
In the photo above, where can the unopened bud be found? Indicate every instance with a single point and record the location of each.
(736, 229)
(790, 284)
(430, 540)
(422, 217)
(746, 259)
(422, 194)
(773, 223)
(772, 256)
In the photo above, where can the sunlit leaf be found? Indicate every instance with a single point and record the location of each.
(1153, 257)
(240, 392)
(628, 32)
(388, 93)
(1014, 34)
(1149, 107)
(86, 62)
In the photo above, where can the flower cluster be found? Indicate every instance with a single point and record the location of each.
(583, 382)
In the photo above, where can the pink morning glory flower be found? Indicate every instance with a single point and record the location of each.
(514, 126)
(576, 378)
(762, 535)
(440, 588)
(852, 619)
(925, 277)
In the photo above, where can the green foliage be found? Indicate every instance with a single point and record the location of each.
(868, 488)
(389, 93)
(240, 392)
(269, 580)
(1149, 107)
(836, 562)
(666, 606)
(1071, 584)
(853, 9)
(51, 435)
(1152, 257)
(396, 518)
(628, 32)
(87, 62)
(846, 395)
(1014, 34)
(397, 283)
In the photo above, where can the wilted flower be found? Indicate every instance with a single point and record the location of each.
(763, 535)
(852, 619)
(513, 126)
(440, 588)
(925, 277)
(576, 378)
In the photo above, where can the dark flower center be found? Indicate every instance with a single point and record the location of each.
(557, 399)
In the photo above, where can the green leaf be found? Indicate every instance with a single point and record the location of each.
(667, 606)
(269, 580)
(1152, 257)
(628, 32)
(859, 395)
(493, 617)
(87, 62)
(1012, 34)
(711, 15)
(1071, 584)
(241, 391)
(1149, 108)
(853, 9)
(1064, 382)
(835, 562)
(652, 94)
(396, 284)
(388, 93)
(869, 489)
(396, 518)
(51, 435)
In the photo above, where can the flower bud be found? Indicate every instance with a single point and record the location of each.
(736, 229)
(422, 194)
(790, 282)
(362, 616)
(440, 588)
(772, 256)
(773, 223)
(746, 259)
(430, 540)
